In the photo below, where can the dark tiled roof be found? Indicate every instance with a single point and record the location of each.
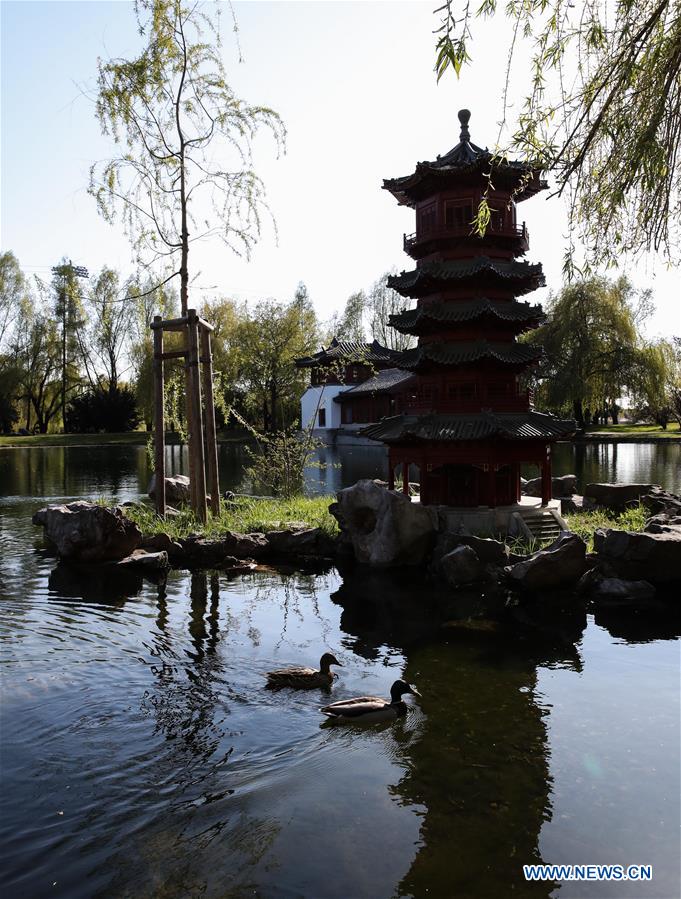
(527, 276)
(456, 311)
(465, 351)
(463, 160)
(386, 381)
(349, 351)
(477, 426)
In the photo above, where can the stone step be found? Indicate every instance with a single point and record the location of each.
(541, 523)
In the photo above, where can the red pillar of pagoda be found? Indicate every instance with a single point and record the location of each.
(469, 422)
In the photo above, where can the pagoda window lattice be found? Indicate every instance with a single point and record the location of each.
(428, 219)
(458, 214)
(497, 219)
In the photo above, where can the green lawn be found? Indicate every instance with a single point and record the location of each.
(644, 431)
(130, 438)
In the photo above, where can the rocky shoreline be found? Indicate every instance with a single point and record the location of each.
(384, 529)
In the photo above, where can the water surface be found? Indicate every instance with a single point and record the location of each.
(141, 755)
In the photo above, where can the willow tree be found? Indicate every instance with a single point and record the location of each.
(185, 169)
(593, 348)
(602, 110)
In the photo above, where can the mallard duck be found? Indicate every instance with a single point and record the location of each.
(371, 708)
(304, 678)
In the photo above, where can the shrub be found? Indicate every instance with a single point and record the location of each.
(103, 410)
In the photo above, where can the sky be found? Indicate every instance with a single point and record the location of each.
(354, 84)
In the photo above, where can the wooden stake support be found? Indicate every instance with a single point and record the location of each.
(203, 457)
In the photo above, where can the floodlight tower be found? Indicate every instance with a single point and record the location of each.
(63, 271)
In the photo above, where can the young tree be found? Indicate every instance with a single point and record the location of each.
(13, 294)
(272, 337)
(13, 290)
(186, 169)
(227, 318)
(147, 300)
(602, 111)
(350, 324)
(382, 302)
(38, 354)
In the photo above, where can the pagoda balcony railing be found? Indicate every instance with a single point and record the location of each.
(517, 232)
(517, 403)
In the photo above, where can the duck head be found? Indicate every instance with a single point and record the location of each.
(399, 688)
(327, 660)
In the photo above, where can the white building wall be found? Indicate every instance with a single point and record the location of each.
(310, 399)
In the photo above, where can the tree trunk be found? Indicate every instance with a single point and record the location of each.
(273, 406)
(578, 412)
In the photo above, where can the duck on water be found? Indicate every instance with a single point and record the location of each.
(301, 678)
(369, 709)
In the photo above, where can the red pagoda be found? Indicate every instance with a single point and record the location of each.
(468, 422)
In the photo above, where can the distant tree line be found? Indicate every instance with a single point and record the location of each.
(91, 339)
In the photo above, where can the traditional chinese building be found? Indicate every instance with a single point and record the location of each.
(343, 366)
(468, 422)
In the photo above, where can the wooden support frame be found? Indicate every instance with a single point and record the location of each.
(211, 439)
(159, 421)
(203, 454)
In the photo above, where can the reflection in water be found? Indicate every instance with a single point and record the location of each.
(122, 471)
(138, 711)
(94, 583)
(478, 762)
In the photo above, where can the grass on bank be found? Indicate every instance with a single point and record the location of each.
(643, 431)
(246, 516)
(243, 516)
(586, 523)
(129, 438)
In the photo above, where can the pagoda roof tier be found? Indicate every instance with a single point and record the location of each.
(463, 163)
(478, 426)
(390, 380)
(464, 352)
(422, 318)
(349, 351)
(429, 276)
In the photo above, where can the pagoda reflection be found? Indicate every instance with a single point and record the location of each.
(476, 751)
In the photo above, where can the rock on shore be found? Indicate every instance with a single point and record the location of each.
(87, 532)
(559, 565)
(384, 526)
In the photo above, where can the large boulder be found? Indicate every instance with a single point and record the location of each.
(664, 522)
(87, 532)
(653, 557)
(297, 543)
(565, 485)
(461, 566)
(177, 489)
(616, 591)
(489, 551)
(659, 500)
(618, 497)
(559, 565)
(384, 526)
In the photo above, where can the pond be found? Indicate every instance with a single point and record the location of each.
(142, 756)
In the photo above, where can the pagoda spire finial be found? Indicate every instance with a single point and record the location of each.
(464, 118)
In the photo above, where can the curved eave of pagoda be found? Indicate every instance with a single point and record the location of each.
(480, 271)
(448, 428)
(431, 177)
(448, 355)
(519, 317)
